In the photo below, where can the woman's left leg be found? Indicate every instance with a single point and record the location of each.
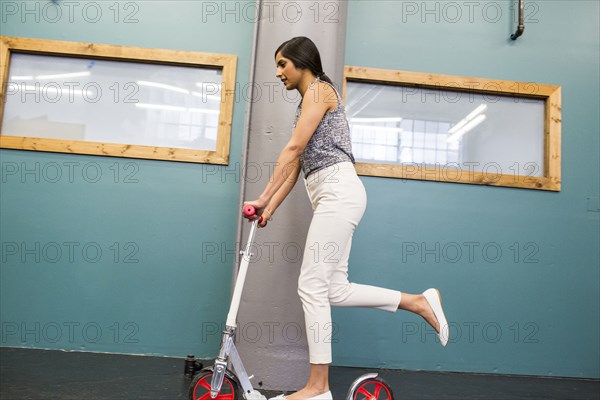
(321, 254)
(334, 220)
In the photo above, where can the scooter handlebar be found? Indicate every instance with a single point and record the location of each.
(250, 211)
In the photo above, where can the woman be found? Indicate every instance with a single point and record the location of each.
(320, 146)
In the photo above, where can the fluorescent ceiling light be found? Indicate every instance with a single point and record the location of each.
(179, 90)
(468, 118)
(163, 86)
(466, 128)
(21, 78)
(175, 108)
(60, 76)
(160, 107)
(203, 110)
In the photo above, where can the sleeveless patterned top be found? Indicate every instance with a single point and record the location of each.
(330, 143)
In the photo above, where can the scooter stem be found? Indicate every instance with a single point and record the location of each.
(239, 283)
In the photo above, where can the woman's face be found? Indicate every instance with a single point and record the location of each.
(287, 72)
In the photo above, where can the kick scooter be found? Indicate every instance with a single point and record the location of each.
(222, 383)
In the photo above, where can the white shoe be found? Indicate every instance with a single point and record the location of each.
(324, 396)
(434, 299)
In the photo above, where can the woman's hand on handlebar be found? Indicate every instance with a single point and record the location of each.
(261, 212)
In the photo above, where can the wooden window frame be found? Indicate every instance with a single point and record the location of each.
(551, 179)
(225, 62)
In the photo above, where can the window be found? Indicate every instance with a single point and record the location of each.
(116, 101)
(453, 129)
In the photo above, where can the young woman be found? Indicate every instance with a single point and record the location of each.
(320, 147)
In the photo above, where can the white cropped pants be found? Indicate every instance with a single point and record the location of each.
(338, 199)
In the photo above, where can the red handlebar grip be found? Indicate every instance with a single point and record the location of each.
(249, 211)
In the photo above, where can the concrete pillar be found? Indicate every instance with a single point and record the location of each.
(271, 332)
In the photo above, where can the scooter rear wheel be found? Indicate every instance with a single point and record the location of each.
(373, 389)
(200, 388)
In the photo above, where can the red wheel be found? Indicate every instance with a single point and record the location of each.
(200, 388)
(373, 389)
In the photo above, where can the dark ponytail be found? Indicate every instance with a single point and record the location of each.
(305, 55)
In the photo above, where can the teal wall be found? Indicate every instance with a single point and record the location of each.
(156, 289)
(535, 309)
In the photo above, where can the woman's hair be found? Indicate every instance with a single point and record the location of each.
(305, 55)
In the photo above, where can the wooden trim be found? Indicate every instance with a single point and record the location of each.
(226, 62)
(450, 82)
(441, 174)
(110, 149)
(4, 67)
(112, 52)
(226, 111)
(552, 127)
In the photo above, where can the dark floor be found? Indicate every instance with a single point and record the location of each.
(27, 374)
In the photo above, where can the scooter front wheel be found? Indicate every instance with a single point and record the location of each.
(200, 388)
(373, 389)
